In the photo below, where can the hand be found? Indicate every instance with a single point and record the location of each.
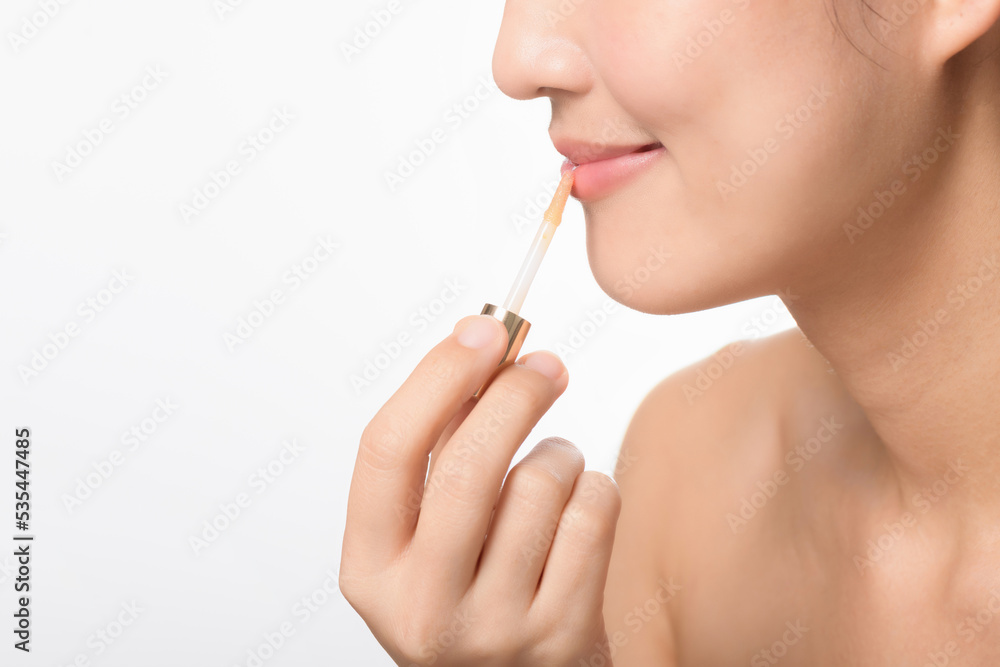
(438, 575)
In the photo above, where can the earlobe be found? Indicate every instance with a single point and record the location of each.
(956, 24)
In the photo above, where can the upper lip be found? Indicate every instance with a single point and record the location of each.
(582, 152)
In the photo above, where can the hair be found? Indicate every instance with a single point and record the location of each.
(840, 27)
(835, 19)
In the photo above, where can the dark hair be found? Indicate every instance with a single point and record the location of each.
(840, 27)
(866, 5)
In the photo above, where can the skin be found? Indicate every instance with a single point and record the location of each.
(830, 497)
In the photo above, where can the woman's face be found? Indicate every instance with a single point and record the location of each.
(774, 131)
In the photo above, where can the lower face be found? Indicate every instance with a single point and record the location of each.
(774, 130)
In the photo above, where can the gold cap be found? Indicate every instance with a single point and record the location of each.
(517, 329)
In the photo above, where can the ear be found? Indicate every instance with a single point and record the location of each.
(954, 25)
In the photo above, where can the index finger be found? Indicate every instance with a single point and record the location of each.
(391, 466)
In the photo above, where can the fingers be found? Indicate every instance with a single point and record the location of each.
(576, 569)
(449, 431)
(527, 514)
(460, 495)
(391, 464)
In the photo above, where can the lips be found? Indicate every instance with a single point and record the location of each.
(602, 171)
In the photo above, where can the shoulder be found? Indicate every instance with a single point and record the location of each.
(746, 392)
(696, 437)
(710, 433)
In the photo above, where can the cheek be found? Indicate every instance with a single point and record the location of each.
(711, 74)
(760, 105)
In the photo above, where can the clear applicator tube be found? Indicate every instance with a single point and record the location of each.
(517, 327)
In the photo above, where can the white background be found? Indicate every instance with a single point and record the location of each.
(64, 235)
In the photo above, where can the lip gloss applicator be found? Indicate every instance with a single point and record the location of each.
(517, 327)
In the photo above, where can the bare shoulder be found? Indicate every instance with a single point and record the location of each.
(698, 435)
(724, 414)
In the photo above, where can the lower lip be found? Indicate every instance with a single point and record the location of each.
(596, 180)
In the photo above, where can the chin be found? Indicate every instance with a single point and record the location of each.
(678, 287)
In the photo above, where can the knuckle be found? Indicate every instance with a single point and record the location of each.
(347, 583)
(440, 371)
(555, 644)
(487, 643)
(533, 485)
(510, 395)
(354, 588)
(426, 636)
(459, 479)
(411, 648)
(562, 443)
(595, 506)
(599, 489)
(560, 450)
(384, 441)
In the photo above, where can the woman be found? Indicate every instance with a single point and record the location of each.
(826, 496)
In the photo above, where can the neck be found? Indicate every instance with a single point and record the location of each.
(909, 319)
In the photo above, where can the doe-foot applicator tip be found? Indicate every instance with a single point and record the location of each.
(555, 211)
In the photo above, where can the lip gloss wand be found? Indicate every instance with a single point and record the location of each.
(517, 327)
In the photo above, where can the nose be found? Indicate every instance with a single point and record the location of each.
(538, 50)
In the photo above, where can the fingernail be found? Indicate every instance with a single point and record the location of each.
(480, 331)
(545, 363)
